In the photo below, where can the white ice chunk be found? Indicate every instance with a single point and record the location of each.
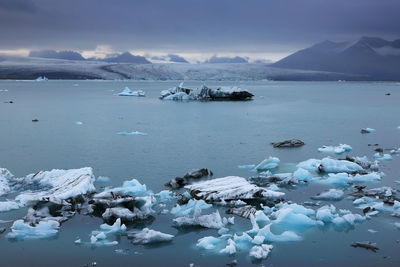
(268, 164)
(117, 227)
(5, 177)
(335, 149)
(383, 157)
(302, 174)
(129, 92)
(331, 194)
(230, 249)
(133, 133)
(165, 195)
(9, 205)
(132, 188)
(230, 188)
(335, 166)
(190, 207)
(59, 184)
(212, 220)
(148, 236)
(44, 229)
(249, 166)
(260, 252)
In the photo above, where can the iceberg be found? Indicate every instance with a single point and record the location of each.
(100, 239)
(367, 130)
(230, 249)
(42, 79)
(383, 157)
(134, 133)
(302, 175)
(129, 92)
(335, 166)
(205, 93)
(117, 227)
(260, 252)
(44, 229)
(331, 194)
(5, 177)
(56, 184)
(212, 220)
(230, 188)
(344, 220)
(335, 149)
(209, 242)
(190, 207)
(129, 188)
(147, 236)
(248, 166)
(9, 205)
(268, 164)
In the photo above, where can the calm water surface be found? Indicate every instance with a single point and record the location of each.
(185, 135)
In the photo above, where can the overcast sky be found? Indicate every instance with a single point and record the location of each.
(257, 28)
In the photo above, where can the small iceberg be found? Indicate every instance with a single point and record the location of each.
(78, 123)
(335, 149)
(129, 92)
(135, 133)
(148, 236)
(248, 166)
(44, 229)
(383, 157)
(41, 79)
(331, 194)
(367, 130)
(268, 164)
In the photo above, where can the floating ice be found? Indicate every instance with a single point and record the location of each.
(249, 166)
(102, 179)
(290, 219)
(190, 207)
(302, 174)
(260, 252)
(134, 133)
(58, 184)
(229, 188)
(212, 220)
(336, 166)
(383, 157)
(148, 236)
(41, 79)
(331, 194)
(344, 220)
(100, 239)
(335, 149)
(120, 212)
(129, 92)
(5, 177)
(131, 188)
(367, 130)
(78, 123)
(209, 242)
(117, 227)
(230, 249)
(268, 164)
(9, 205)
(44, 229)
(165, 196)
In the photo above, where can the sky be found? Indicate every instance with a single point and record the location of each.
(195, 29)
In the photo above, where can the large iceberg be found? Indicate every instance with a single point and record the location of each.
(55, 184)
(229, 188)
(205, 93)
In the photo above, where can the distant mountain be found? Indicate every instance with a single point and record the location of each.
(127, 58)
(177, 58)
(66, 55)
(371, 57)
(216, 59)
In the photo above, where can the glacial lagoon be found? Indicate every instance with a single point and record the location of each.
(78, 125)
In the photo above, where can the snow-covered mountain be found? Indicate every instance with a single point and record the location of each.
(370, 57)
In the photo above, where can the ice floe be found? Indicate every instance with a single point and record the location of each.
(335, 149)
(9, 205)
(331, 194)
(44, 229)
(260, 252)
(148, 236)
(129, 92)
(268, 164)
(367, 130)
(383, 157)
(42, 79)
(229, 188)
(134, 133)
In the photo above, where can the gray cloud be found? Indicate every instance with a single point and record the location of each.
(178, 26)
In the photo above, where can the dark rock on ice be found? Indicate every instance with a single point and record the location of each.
(199, 173)
(289, 143)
